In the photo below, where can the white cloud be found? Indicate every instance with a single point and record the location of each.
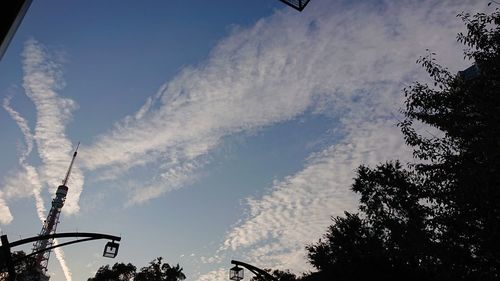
(25, 183)
(219, 274)
(5, 214)
(175, 177)
(42, 78)
(297, 209)
(275, 71)
(354, 66)
(23, 125)
(62, 262)
(344, 60)
(17, 184)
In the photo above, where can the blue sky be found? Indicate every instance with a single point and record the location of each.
(209, 130)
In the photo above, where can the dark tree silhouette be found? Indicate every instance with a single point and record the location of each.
(25, 267)
(281, 275)
(439, 218)
(174, 273)
(284, 275)
(119, 272)
(155, 271)
(461, 177)
(387, 241)
(159, 271)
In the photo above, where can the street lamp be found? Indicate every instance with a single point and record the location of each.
(236, 273)
(111, 249)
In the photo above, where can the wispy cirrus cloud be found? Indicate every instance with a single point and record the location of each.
(297, 209)
(42, 77)
(23, 126)
(5, 214)
(361, 57)
(219, 274)
(62, 262)
(339, 59)
(26, 181)
(273, 72)
(15, 183)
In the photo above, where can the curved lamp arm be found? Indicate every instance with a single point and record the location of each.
(65, 235)
(262, 274)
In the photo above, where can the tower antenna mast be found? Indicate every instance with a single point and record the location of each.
(68, 173)
(50, 224)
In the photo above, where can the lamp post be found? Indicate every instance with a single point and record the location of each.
(11, 15)
(236, 273)
(110, 249)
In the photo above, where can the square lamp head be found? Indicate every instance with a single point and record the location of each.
(236, 273)
(110, 250)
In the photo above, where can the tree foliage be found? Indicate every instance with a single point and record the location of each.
(118, 272)
(157, 270)
(280, 275)
(438, 218)
(24, 266)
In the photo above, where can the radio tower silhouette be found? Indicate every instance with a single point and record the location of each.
(50, 224)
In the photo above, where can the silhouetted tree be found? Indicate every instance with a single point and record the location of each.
(281, 275)
(159, 271)
(285, 275)
(174, 273)
(387, 241)
(155, 271)
(437, 219)
(119, 272)
(25, 267)
(461, 175)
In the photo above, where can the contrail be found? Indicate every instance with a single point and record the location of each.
(5, 215)
(60, 257)
(33, 178)
(31, 173)
(41, 78)
(23, 125)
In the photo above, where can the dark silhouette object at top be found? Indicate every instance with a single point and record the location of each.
(296, 4)
(11, 14)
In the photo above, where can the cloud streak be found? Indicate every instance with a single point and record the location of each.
(347, 61)
(272, 72)
(41, 80)
(5, 214)
(22, 123)
(297, 209)
(28, 176)
(357, 58)
(62, 262)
